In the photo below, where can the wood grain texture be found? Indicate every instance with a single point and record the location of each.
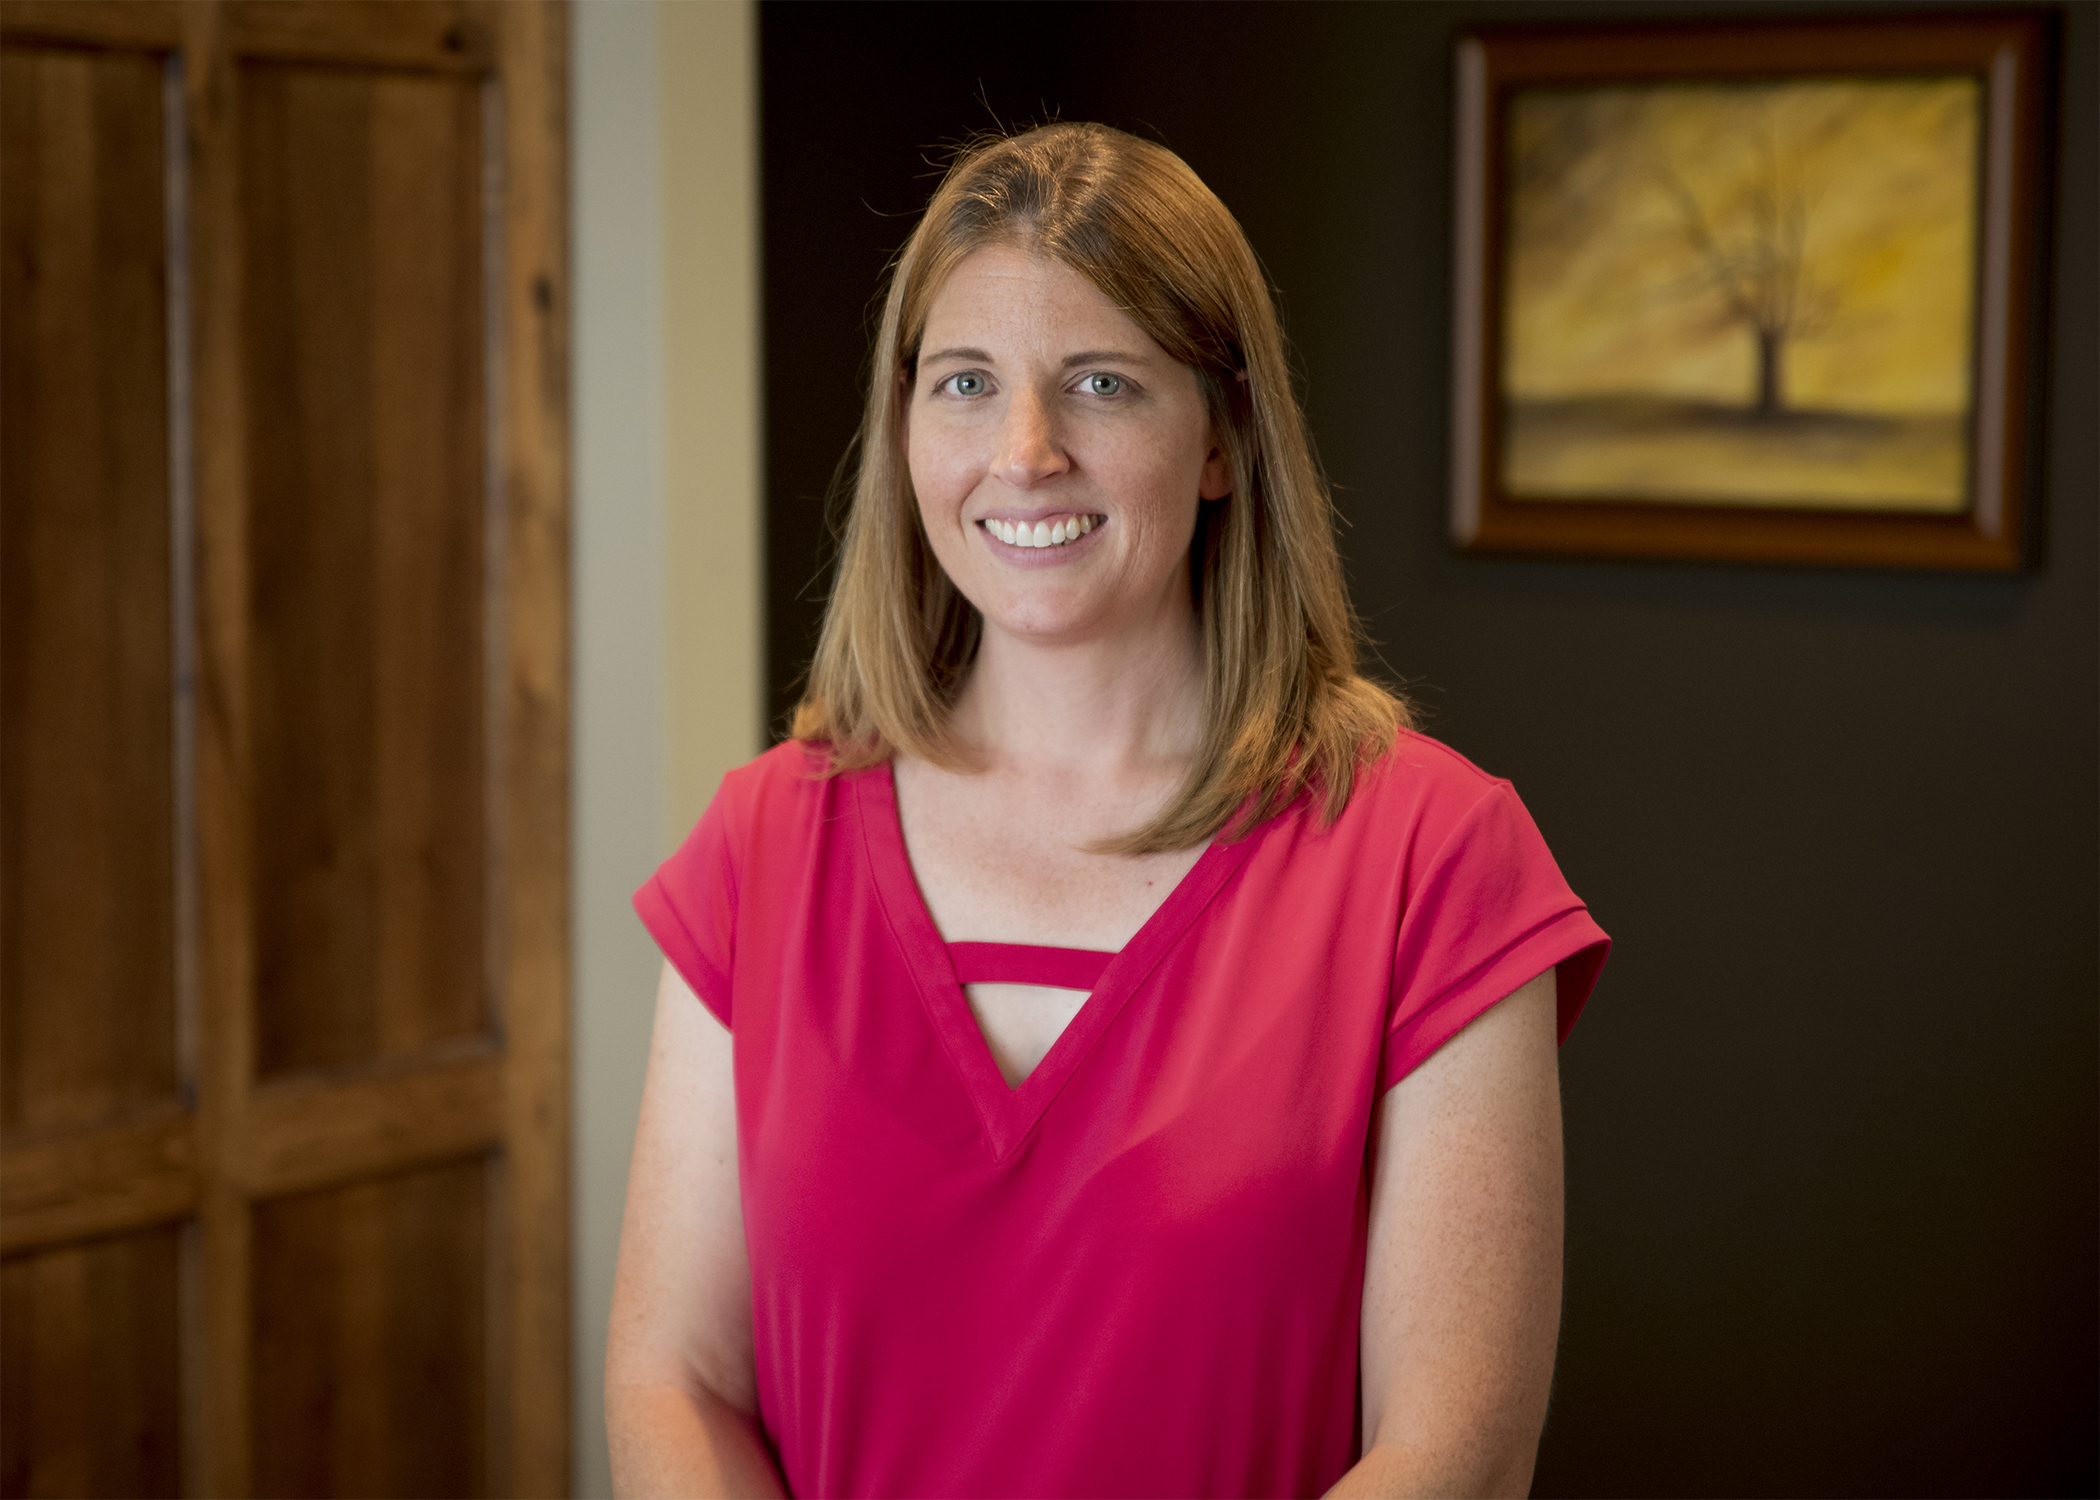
(371, 1319)
(313, 1131)
(535, 853)
(65, 1184)
(376, 1169)
(362, 215)
(142, 24)
(433, 35)
(87, 999)
(224, 764)
(430, 34)
(60, 1185)
(89, 1396)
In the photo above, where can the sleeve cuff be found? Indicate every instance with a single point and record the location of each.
(653, 906)
(1572, 942)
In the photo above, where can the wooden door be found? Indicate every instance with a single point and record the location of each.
(283, 728)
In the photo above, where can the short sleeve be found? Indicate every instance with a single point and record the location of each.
(1485, 913)
(689, 904)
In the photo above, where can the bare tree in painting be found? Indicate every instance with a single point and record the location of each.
(1751, 253)
(1742, 293)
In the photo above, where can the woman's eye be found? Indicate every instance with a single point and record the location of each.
(966, 384)
(1104, 385)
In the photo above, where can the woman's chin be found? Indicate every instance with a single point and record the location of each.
(1045, 631)
(1043, 625)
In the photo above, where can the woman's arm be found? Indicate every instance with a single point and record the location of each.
(681, 1395)
(1462, 1279)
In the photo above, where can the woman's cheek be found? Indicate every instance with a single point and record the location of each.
(925, 484)
(939, 473)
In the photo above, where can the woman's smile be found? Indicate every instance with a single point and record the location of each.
(1059, 532)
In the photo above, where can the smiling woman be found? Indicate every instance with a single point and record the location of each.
(1125, 1053)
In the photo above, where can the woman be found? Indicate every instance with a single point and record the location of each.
(1105, 1051)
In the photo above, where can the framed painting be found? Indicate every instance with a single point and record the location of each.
(1761, 290)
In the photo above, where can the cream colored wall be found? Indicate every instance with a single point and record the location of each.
(667, 603)
(707, 81)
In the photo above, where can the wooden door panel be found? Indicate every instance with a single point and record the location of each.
(367, 431)
(283, 1007)
(90, 1396)
(371, 1317)
(87, 909)
(444, 34)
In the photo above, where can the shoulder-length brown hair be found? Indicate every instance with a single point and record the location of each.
(1284, 706)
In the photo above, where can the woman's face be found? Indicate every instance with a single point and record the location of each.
(1057, 452)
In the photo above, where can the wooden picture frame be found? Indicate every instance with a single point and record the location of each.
(1639, 210)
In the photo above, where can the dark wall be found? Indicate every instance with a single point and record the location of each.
(1832, 1116)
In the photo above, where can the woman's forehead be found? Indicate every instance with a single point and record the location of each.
(1003, 295)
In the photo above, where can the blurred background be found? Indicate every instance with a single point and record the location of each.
(1833, 1115)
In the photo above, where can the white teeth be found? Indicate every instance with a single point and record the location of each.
(1042, 533)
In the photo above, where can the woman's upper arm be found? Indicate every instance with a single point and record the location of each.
(681, 1312)
(1461, 1308)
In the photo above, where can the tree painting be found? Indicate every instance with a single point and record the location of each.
(1752, 294)
(1753, 261)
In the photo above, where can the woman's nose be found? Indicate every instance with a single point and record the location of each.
(1029, 450)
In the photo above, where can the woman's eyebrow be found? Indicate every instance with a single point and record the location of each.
(1071, 361)
(1103, 357)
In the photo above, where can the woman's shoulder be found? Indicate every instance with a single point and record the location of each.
(760, 805)
(1420, 797)
(1423, 774)
(1415, 749)
(1412, 794)
(795, 782)
(791, 768)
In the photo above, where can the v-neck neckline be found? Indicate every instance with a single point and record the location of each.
(1010, 1114)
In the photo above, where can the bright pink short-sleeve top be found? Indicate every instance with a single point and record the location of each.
(1140, 1272)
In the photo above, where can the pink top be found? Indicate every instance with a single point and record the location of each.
(1024, 963)
(1139, 1273)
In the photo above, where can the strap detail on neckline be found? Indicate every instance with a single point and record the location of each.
(1025, 963)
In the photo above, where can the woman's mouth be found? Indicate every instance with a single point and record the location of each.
(1051, 531)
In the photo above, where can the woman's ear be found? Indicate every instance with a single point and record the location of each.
(1216, 482)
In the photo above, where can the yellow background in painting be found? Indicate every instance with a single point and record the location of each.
(1607, 292)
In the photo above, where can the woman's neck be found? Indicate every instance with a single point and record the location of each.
(1127, 707)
